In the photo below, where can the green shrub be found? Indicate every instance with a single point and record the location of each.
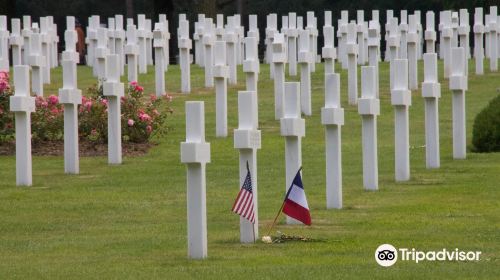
(486, 129)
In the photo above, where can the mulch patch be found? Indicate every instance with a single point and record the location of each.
(87, 148)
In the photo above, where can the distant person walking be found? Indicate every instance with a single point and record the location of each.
(80, 44)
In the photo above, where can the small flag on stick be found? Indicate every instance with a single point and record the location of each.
(295, 204)
(243, 205)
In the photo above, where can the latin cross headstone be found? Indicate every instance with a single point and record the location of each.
(463, 35)
(329, 53)
(493, 44)
(430, 33)
(159, 45)
(313, 39)
(131, 51)
(247, 139)
(458, 86)
(184, 44)
(271, 30)
(198, 40)
(369, 109)
(141, 34)
(101, 52)
(412, 39)
(70, 96)
(279, 59)
(401, 100)
(393, 40)
(292, 34)
(292, 127)
(332, 117)
(388, 19)
(231, 38)
(111, 35)
(36, 61)
(220, 75)
(26, 33)
(22, 104)
(120, 42)
(195, 153)
(478, 40)
(16, 41)
(342, 35)
(45, 39)
(305, 59)
(149, 42)
(403, 31)
(352, 74)
(373, 51)
(219, 29)
(114, 91)
(360, 35)
(166, 40)
(92, 40)
(251, 65)
(208, 52)
(445, 45)
(431, 92)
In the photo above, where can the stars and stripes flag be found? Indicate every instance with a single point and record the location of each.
(295, 204)
(243, 205)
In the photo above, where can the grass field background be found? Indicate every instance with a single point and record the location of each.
(129, 221)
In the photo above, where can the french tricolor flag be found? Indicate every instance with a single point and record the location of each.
(295, 204)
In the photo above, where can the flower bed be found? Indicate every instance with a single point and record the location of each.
(142, 118)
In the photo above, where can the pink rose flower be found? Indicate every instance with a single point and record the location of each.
(152, 97)
(149, 129)
(139, 88)
(130, 122)
(133, 83)
(53, 100)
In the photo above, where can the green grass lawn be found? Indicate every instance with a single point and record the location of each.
(129, 221)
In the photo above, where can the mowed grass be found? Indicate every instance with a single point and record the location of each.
(129, 221)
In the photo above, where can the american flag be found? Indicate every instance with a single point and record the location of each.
(243, 205)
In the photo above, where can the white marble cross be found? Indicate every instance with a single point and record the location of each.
(184, 44)
(231, 38)
(279, 59)
(16, 41)
(247, 139)
(45, 39)
(199, 30)
(478, 41)
(131, 51)
(166, 39)
(22, 104)
(292, 127)
(412, 39)
(159, 45)
(219, 28)
(430, 32)
(342, 38)
(195, 153)
(332, 117)
(458, 86)
(463, 35)
(292, 34)
(431, 92)
(114, 90)
(445, 45)
(141, 34)
(208, 52)
(313, 39)
(120, 42)
(26, 33)
(493, 33)
(36, 61)
(401, 100)
(360, 16)
(305, 59)
(149, 42)
(271, 29)
(369, 109)
(352, 53)
(101, 52)
(329, 53)
(92, 40)
(70, 96)
(373, 50)
(251, 65)
(403, 30)
(220, 75)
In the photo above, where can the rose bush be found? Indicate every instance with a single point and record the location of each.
(142, 116)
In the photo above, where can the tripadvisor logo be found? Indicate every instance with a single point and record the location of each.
(387, 255)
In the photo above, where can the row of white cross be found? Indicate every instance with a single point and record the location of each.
(219, 55)
(292, 99)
